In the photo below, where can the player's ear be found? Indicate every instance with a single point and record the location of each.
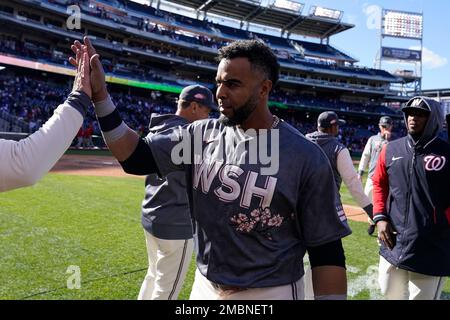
(266, 87)
(194, 107)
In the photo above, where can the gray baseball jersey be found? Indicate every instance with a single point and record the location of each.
(332, 147)
(165, 208)
(252, 229)
(371, 153)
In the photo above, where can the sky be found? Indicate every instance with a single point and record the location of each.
(363, 41)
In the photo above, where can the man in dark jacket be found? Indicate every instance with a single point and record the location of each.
(165, 209)
(412, 206)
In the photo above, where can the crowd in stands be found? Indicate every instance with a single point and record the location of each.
(290, 98)
(40, 52)
(123, 67)
(294, 52)
(34, 100)
(146, 73)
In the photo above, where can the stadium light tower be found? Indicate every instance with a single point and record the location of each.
(405, 26)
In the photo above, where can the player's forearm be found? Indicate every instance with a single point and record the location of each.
(329, 283)
(119, 138)
(124, 146)
(364, 162)
(24, 162)
(350, 178)
(328, 271)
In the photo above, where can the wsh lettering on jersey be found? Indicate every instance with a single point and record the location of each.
(260, 219)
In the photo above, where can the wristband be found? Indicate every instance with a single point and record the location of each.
(104, 107)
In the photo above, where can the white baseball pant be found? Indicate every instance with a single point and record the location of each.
(204, 290)
(168, 264)
(368, 188)
(399, 284)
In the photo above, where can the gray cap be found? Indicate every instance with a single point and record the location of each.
(328, 118)
(416, 103)
(386, 121)
(199, 94)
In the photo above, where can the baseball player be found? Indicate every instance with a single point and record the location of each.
(24, 162)
(343, 170)
(411, 194)
(341, 162)
(370, 157)
(253, 218)
(165, 209)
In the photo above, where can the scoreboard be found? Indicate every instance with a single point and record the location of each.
(400, 24)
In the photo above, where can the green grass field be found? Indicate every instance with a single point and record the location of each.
(94, 223)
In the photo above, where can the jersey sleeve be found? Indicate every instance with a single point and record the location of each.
(24, 162)
(347, 171)
(172, 149)
(318, 219)
(365, 157)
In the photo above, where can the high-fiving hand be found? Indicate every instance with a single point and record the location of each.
(96, 75)
(82, 80)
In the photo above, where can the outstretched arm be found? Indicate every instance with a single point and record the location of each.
(348, 173)
(120, 139)
(24, 162)
(133, 152)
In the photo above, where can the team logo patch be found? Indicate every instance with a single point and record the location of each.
(434, 163)
(259, 220)
(199, 96)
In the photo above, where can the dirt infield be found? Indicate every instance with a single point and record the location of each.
(88, 165)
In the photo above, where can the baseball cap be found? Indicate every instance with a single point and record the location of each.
(199, 94)
(385, 121)
(328, 118)
(416, 103)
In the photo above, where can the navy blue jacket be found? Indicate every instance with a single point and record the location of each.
(412, 191)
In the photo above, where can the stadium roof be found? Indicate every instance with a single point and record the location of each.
(252, 11)
(436, 93)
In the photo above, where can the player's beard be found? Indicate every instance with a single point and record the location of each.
(240, 114)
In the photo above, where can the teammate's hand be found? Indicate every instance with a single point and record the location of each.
(82, 80)
(386, 234)
(97, 74)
